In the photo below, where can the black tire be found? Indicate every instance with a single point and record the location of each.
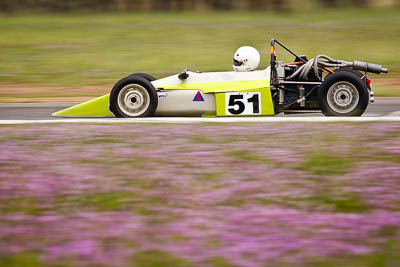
(343, 93)
(356, 72)
(133, 96)
(143, 75)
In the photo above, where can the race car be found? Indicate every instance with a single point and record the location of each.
(334, 87)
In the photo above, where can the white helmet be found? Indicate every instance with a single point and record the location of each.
(246, 58)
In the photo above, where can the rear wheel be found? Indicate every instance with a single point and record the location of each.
(343, 93)
(133, 96)
(356, 72)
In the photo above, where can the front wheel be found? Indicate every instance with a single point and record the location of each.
(143, 75)
(343, 94)
(133, 96)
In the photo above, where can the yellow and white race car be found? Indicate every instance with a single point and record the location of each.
(335, 87)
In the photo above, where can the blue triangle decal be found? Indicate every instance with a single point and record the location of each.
(198, 97)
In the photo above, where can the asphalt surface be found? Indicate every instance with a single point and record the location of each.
(388, 106)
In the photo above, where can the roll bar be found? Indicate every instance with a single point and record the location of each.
(273, 56)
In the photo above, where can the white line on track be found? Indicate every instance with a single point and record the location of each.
(206, 120)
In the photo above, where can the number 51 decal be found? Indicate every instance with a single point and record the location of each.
(245, 103)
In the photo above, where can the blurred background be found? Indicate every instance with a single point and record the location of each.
(135, 5)
(218, 195)
(63, 50)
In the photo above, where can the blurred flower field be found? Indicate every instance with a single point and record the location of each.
(200, 195)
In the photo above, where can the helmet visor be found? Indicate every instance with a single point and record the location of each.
(237, 62)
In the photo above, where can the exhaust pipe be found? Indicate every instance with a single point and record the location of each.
(368, 67)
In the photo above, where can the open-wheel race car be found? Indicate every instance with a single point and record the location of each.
(335, 87)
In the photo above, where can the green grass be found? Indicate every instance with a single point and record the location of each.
(74, 50)
(340, 202)
(24, 259)
(326, 163)
(386, 91)
(247, 155)
(220, 262)
(158, 259)
(388, 256)
(26, 205)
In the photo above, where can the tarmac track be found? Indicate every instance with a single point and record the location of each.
(388, 107)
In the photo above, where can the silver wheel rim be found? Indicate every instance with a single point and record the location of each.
(133, 100)
(343, 97)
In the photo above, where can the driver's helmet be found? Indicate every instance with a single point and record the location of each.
(246, 58)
